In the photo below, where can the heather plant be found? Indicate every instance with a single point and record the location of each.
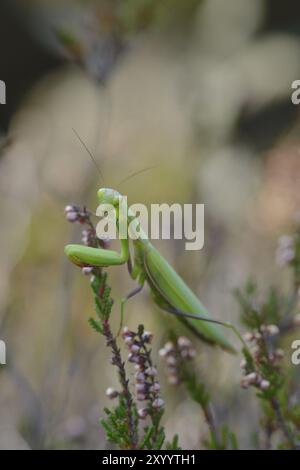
(135, 418)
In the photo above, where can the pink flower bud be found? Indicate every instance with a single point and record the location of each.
(143, 413)
(158, 403)
(162, 352)
(133, 358)
(87, 270)
(151, 371)
(71, 216)
(134, 348)
(171, 361)
(141, 396)
(244, 383)
(111, 393)
(252, 378)
(155, 387)
(70, 208)
(184, 342)
(128, 340)
(273, 330)
(248, 336)
(127, 333)
(147, 337)
(173, 379)
(140, 377)
(279, 354)
(188, 353)
(264, 385)
(140, 387)
(296, 320)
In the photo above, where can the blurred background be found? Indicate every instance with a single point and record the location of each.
(201, 90)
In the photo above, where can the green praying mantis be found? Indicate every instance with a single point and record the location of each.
(146, 265)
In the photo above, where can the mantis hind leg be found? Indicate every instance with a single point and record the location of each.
(184, 319)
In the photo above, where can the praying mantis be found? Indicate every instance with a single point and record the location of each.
(146, 265)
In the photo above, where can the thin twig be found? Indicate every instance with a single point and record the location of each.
(281, 422)
(112, 343)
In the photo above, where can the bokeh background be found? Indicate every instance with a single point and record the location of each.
(199, 89)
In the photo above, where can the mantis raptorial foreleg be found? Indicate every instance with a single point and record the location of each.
(89, 256)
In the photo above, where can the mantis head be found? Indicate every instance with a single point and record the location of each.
(108, 196)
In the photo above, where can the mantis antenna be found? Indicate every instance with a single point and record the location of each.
(98, 168)
(89, 153)
(136, 173)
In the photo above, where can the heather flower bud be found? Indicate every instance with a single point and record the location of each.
(271, 330)
(71, 208)
(86, 270)
(171, 361)
(133, 358)
(85, 237)
(71, 216)
(296, 320)
(141, 396)
(256, 336)
(128, 340)
(155, 387)
(162, 352)
(143, 413)
(184, 342)
(192, 353)
(173, 379)
(140, 377)
(255, 352)
(285, 251)
(158, 403)
(251, 378)
(264, 385)
(172, 369)
(134, 348)
(147, 337)
(188, 353)
(111, 393)
(140, 387)
(248, 336)
(151, 371)
(279, 354)
(127, 333)
(244, 383)
(169, 347)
